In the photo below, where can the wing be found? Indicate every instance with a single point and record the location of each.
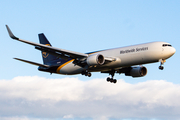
(80, 58)
(52, 50)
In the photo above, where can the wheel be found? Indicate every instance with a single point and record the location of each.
(89, 75)
(108, 79)
(83, 73)
(114, 81)
(86, 74)
(161, 67)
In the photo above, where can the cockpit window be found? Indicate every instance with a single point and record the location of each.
(164, 45)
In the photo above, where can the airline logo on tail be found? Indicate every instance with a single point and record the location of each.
(45, 54)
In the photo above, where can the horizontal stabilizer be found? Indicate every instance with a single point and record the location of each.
(33, 63)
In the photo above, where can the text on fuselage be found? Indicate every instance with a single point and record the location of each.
(133, 50)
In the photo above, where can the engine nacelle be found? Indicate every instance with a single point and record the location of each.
(95, 59)
(137, 72)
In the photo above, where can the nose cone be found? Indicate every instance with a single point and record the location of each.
(172, 50)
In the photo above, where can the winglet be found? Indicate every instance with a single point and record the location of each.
(11, 34)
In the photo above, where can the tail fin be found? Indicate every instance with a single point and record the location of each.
(46, 56)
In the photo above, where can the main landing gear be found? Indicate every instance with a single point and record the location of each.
(111, 79)
(161, 63)
(86, 73)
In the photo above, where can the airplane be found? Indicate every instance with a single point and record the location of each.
(127, 60)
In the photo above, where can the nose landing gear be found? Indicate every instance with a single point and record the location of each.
(161, 63)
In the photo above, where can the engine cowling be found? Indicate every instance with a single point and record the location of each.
(137, 72)
(96, 59)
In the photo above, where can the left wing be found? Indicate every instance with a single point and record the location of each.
(80, 58)
(51, 50)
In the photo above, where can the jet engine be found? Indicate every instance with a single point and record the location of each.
(95, 59)
(137, 72)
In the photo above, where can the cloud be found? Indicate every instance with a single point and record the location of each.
(17, 118)
(40, 98)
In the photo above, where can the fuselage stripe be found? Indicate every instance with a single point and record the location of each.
(59, 68)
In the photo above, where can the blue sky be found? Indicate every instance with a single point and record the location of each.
(86, 26)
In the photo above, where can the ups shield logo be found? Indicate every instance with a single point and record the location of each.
(45, 54)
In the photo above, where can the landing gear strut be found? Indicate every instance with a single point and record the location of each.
(161, 63)
(111, 79)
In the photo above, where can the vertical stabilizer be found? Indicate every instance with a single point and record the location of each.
(46, 56)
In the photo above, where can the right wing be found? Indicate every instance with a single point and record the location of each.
(52, 50)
